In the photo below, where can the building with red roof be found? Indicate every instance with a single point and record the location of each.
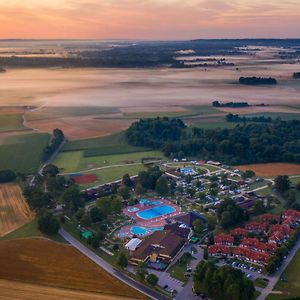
(224, 239)
(250, 255)
(256, 227)
(239, 232)
(256, 245)
(269, 218)
(291, 213)
(219, 250)
(279, 233)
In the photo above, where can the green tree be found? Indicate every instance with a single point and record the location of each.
(282, 183)
(162, 187)
(124, 192)
(50, 170)
(139, 190)
(197, 226)
(152, 279)
(141, 271)
(86, 220)
(72, 198)
(122, 260)
(48, 223)
(248, 174)
(116, 205)
(127, 181)
(96, 214)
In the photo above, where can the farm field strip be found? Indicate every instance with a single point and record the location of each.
(14, 210)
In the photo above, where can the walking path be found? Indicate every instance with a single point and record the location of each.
(107, 267)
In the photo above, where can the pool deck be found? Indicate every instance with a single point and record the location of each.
(155, 222)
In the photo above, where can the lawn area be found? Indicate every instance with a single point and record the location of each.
(114, 173)
(23, 153)
(75, 161)
(291, 287)
(29, 230)
(260, 282)
(11, 122)
(177, 270)
(60, 112)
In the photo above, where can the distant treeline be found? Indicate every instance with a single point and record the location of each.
(278, 141)
(230, 104)
(237, 118)
(296, 75)
(57, 138)
(257, 80)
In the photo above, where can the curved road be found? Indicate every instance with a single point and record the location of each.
(107, 267)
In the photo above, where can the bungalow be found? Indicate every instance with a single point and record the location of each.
(256, 227)
(279, 233)
(224, 239)
(239, 232)
(161, 246)
(250, 255)
(187, 219)
(291, 221)
(219, 250)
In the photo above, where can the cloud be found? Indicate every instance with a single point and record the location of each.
(149, 19)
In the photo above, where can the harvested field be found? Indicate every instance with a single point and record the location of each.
(148, 109)
(81, 127)
(85, 179)
(59, 266)
(259, 109)
(14, 210)
(272, 169)
(12, 290)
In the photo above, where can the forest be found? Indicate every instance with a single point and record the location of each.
(257, 80)
(278, 141)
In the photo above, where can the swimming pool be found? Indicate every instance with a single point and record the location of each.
(139, 230)
(148, 202)
(133, 209)
(155, 212)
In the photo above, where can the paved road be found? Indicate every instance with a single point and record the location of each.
(276, 276)
(106, 266)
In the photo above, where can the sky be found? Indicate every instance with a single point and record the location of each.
(149, 19)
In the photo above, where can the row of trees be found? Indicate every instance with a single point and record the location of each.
(7, 176)
(237, 118)
(230, 104)
(244, 144)
(56, 140)
(222, 283)
(257, 80)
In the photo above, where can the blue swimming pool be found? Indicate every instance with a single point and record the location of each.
(133, 209)
(155, 212)
(148, 202)
(139, 230)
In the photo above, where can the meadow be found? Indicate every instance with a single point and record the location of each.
(11, 122)
(22, 153)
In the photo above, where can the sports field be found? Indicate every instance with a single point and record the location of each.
(22, 153)
(59, 266)
(14, 211)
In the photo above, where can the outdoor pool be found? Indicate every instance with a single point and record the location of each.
(139, 230)
(156, 212)
(133, 209)
(148, 202)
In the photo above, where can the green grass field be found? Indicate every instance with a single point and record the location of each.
(60, 112)
(23, 153)
(11, 122)
(178, 269)
(291, 287)
(113, 174)
(74, 161)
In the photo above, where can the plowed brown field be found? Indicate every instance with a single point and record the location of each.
(43, 262)
(14, 210)
(272, 169)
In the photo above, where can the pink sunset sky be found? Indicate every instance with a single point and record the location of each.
(149, 19)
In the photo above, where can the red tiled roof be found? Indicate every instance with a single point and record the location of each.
(283, 228)
(251, 255)
(255, 244)
(269, 217)
(219, 249)
(239, 231)
(223, 239)
(256, 226)
(291, 213)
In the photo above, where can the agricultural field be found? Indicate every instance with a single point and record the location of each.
(22, 153)
(70, 162)
(11, 122)
(15, 211)
(272, 169)
(11, 290)
(59, 266)
(290, 287)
